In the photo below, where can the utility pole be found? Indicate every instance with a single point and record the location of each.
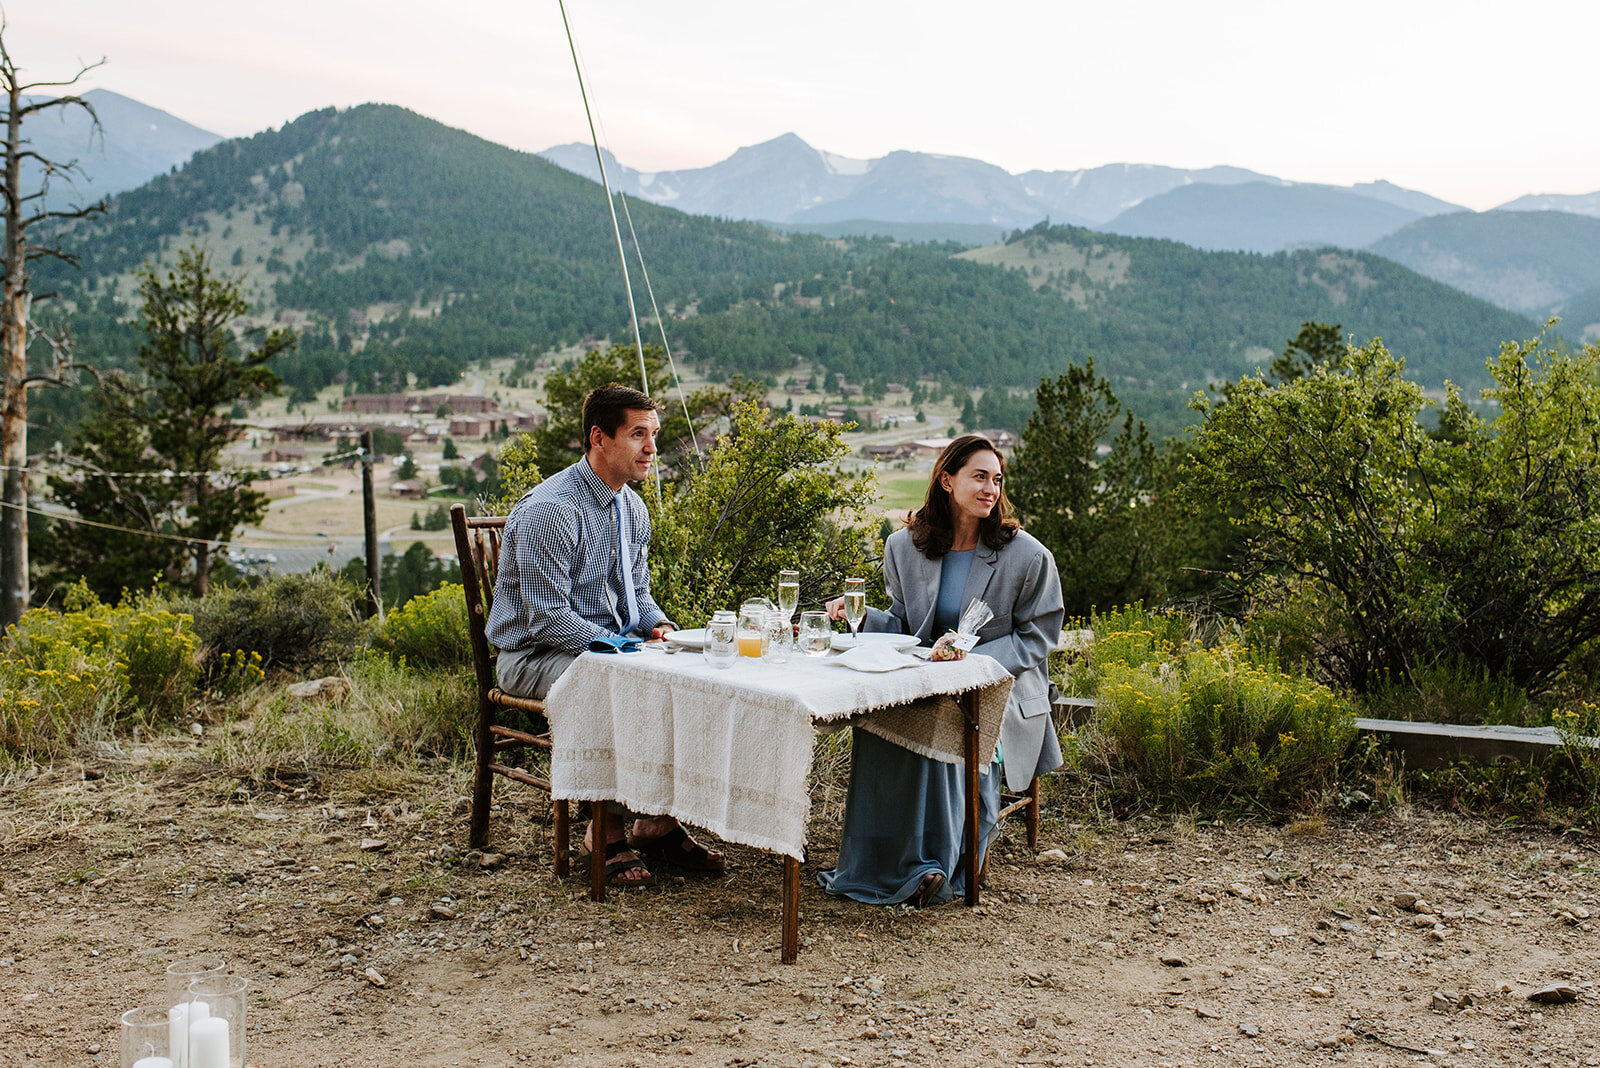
(369, 517)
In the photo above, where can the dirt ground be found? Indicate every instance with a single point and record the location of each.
(372, 939)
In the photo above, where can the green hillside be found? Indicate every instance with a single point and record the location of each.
(1528, 261)
(400, 246)
(1162, 319)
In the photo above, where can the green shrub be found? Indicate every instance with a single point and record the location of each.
(1222, 726)
(1132, 636)
(233, 673)
(72, 675)
(294, 622)
(430, 630)
(1453, 692)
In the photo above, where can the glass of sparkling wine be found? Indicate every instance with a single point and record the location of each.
(855, 606)
(788, 593)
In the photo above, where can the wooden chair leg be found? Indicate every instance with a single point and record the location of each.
(598, 817)
(791, 910)
(482, 786)
(1030, 815)
(559, 821)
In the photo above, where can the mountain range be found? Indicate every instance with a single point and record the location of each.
(1535, 255)
(135, 143)
(404, 250)
(1532, 255)
(787, 182)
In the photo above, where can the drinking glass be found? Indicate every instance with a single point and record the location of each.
(180, 973)
(753, 616)
(780, 638)
(224, 996)
(816, 633)
(145, 1034)
(855, 606)
(788, 593)
(720, 636)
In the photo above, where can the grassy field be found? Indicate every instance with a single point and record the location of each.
(898, 492)
(341, 516)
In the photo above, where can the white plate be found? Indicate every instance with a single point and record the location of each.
(876, 637)
(873, 656)
(688, 639)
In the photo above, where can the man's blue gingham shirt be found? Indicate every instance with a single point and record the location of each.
(559, 580)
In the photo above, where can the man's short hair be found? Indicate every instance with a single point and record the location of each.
(607, 407)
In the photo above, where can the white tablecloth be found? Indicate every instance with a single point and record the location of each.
(730, 749)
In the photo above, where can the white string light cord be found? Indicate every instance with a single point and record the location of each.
(90, 471)
(638, 250)
(661, 325)
(212, 542)
(605, 183)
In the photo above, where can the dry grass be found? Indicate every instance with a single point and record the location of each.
(390, 718)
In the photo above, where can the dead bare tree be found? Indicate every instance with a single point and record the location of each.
(23, 210)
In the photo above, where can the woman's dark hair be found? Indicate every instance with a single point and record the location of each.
(933, 526)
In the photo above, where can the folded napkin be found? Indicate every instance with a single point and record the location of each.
(616, 643)
(873, 656)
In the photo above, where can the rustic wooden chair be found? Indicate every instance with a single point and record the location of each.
(1026, 803)
(478, 545)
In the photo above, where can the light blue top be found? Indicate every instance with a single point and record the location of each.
(952, 581)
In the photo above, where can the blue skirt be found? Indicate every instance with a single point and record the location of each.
(904, 817)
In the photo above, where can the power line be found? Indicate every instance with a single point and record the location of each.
(213, 543)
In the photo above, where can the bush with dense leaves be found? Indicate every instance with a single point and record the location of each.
(70, 675)
(429, 631)
(295, 622)
(1176, 722)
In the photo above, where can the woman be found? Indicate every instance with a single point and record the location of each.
(904, 813)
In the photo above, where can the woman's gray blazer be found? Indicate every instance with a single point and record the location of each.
(1021, 585)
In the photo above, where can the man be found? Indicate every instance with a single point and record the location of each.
(572, 571)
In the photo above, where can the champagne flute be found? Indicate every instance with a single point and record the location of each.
(855, 606)
(788, 593)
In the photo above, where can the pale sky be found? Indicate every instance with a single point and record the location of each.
(1471, 101)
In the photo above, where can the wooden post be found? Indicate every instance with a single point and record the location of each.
(791, 910)
(969, 705)
(369, 517)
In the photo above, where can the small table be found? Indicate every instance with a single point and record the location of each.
(729, 749)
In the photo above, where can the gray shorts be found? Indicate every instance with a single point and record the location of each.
(530, 673)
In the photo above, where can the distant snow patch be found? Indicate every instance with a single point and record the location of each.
(844, 164)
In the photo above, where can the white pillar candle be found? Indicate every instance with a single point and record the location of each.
(153, 1062)
(208, 1043)
(178, 1035)
(199, 1010)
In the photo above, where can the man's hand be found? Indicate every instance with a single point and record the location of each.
(835, 608)
(662, 631)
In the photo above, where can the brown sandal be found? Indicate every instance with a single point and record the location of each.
(677, 848)
(616, 867)
(927, 890)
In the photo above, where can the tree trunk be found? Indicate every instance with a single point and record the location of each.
(14, 353)
(14, 455)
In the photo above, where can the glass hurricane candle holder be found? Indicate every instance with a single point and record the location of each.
(144, 1034)
(224, 998)
(180, 973)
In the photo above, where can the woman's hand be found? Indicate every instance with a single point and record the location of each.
(835, 608)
